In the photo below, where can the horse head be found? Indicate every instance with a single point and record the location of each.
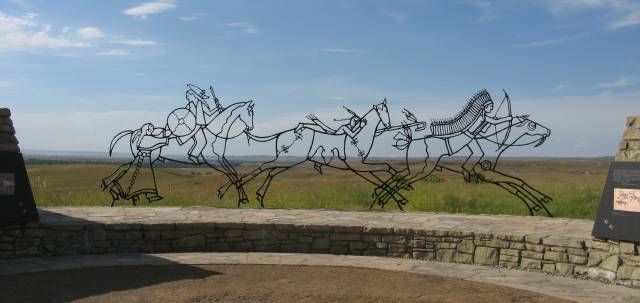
(383, 113)
(246, 115)
(525, 132)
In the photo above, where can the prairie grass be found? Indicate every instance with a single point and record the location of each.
(574, 185)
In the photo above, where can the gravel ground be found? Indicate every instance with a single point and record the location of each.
(250, 283)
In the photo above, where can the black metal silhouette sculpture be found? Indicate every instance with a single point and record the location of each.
(206, 130)
(197, 126)
(462, 135)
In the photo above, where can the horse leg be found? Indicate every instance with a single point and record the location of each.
(228, 170)
(382, 187)
(398, 182)
(242, 195)
(538, 195)
(524, 194)
(221, 169)
(375, 180)
(514, 189)
(243, 180)
(384, 192)
(406, 183)
(533, 195)
(262, 191)
(511, 188)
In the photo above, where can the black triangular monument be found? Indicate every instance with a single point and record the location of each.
(16, 198)
(619, 213)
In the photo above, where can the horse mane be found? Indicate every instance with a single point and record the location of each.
(235, 106)
(228, 110)
(464, 118)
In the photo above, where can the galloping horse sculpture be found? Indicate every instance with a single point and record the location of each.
(148, 142)
(346, 148)
(206, 132)
(464, 140)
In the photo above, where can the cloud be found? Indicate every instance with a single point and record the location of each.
(7, 84)
(20, 34)
(114, 52)
(131, 98)
(619, 13)
(81, 130)
(68, 55)
(340, 50)
(10, 23)
(244, 27)
(620, 82)
(560, 87)
(487, 11)
(149, 8)
(89, 33)
(18, 2)
(135, 42)
(192, 17)
(399, 17)
(630, 19)
(552, 41)
(187, 18)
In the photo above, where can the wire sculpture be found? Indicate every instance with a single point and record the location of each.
(197, 126)
(203, 131)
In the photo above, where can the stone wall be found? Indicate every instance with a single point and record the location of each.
(629, 149)
(608, 261)
(8, 140)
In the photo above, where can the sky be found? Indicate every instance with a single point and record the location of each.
(74, 73)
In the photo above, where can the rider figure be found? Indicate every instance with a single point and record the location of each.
(479, 129)
(199, 106)
(351, 128)
(482, 125)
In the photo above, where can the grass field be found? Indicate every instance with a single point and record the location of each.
(574, 184)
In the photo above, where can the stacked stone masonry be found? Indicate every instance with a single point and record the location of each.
(8, 140)
(629, 149)
(298, 231)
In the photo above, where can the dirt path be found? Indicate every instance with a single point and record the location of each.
(250, 283)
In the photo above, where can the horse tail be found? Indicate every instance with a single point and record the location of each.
(117, 138)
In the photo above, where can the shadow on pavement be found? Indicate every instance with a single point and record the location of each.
(74, 284)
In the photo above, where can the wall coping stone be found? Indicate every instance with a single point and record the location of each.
(549, 229)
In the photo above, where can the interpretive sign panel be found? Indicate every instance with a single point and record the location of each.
(625, 199)
(7, 184)
(619, 213)
(16, 199)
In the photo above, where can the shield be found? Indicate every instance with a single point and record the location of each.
(181, 122)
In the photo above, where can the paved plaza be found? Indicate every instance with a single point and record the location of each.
(561, 287)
